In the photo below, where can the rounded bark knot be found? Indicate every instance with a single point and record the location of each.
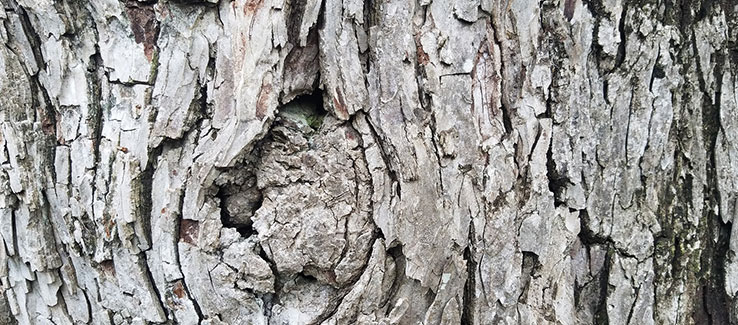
(262, 101)
(303, 194)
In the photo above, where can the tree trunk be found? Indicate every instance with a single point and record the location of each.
(377, 162)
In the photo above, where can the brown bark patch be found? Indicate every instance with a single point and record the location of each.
(422, 56)
(144, 25)
(178, 289)
(569, 6)
(251, 6)
(108, 267)
(340, 105)
(189, 231)
(48, 125)
(175, 296)
(109, 224)
(350, 135)
(262, 100)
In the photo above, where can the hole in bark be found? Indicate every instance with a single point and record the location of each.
(239, 197)
(307, 277)
(238, 203)
(305, 112)
(658, 71)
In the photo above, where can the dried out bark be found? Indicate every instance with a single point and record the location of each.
(370, 162)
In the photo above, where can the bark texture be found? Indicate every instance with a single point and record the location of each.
(369, 161)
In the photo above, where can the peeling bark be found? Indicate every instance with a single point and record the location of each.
(375, 162)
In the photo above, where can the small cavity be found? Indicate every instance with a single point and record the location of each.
(305, 113)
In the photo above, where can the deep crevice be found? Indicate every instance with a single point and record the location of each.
(152, 284)
(556, 182)
(620, 56)
(530, 266)
(469, 304)
(271, 299)
(399, 258)
(601, 317)
(713, 259)
(383, 151)
(657, 73)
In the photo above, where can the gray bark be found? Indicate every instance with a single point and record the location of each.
(369, 162)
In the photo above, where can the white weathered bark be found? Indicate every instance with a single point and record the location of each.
(371, 162)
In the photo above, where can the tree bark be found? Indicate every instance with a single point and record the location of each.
(369, 162)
